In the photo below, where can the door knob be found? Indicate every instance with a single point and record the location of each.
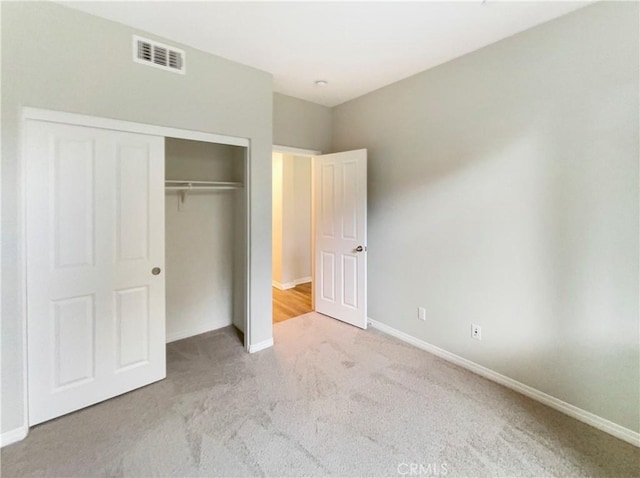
(156, 270)
(360, 249)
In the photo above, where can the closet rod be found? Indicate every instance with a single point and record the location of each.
(200, 185)
(199, 188)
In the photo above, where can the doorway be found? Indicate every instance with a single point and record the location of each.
(319, 234)
(292, 251)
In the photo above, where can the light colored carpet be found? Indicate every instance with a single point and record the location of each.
(329, 399)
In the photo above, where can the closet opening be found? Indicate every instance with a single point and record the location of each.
(205, 237)
(292, 249)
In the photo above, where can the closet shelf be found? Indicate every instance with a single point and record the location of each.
(175, 185)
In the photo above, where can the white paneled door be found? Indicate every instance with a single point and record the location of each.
(340, 232)
(95, 260)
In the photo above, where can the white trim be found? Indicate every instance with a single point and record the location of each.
(29, 113)
(22, 265)
(290, 285)
(201, 329)
(248, 216)
(297, 151)
(12, 436)
(265, 344)
(584, 416)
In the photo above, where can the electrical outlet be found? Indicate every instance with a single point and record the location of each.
(422, 313)
(476, 332)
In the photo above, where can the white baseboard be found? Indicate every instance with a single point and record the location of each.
(201, 329)
(12, 436)
(589, 418)
(265, 344)
(290, 285)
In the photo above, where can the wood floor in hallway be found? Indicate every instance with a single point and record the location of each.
(291, 303)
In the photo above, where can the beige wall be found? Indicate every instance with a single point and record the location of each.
(300, 244)
(61, 59)
(291, 219)
(503, 191)
(301, 124)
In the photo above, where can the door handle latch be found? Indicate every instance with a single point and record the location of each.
(361, 248)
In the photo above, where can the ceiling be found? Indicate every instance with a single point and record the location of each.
(357, 47)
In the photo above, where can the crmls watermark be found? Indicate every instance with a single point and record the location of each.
(422, 469)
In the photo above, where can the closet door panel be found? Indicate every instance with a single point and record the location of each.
(133, 202)
(73, 202)
(132, 320)
(139, 297)
(74, 353)
(95, 229)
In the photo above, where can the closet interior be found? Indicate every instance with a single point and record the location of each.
(205, 237)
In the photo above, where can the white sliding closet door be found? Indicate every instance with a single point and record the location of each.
(95, 233)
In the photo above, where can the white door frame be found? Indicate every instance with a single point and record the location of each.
(29, 113)
(305, 153)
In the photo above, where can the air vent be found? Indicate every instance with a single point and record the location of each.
(152, 53)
